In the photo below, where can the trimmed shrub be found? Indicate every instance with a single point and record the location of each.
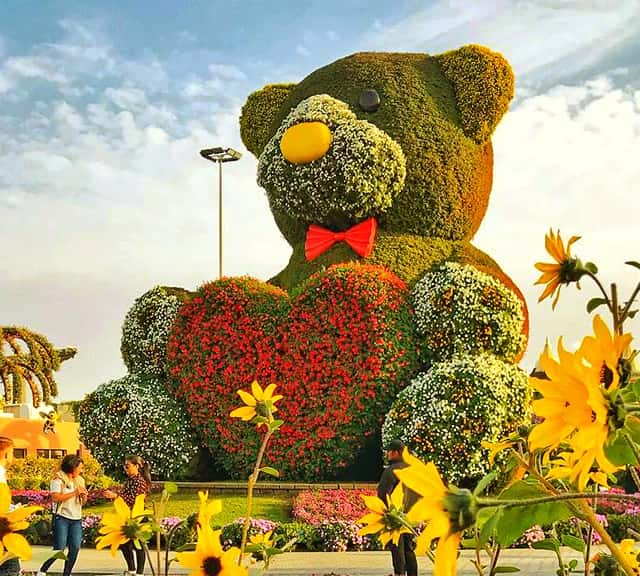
(146, 328)
(33, 474)
(359, 176)
(339, 350)
(135, 415)
(446, 413)
(461, 310)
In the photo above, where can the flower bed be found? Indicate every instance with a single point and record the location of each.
(317, 506)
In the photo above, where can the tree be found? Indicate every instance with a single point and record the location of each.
(27, 357)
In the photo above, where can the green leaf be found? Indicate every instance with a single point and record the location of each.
(469, 543)
(170, 487)
(547, 544)
(591, 267)
(594, 303)
(514, 521)
(617, 450)
(484, 483)
(505, 569)
(488, 519)
(572, 564)
(573, 542)
(633, 263)
(271, 471)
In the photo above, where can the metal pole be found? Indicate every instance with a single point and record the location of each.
(220, 216)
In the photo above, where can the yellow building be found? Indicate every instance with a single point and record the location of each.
(30, 438)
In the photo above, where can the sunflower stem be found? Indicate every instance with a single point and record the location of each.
(604, 292)
(617, 325)
(250, 485)
(148, 555)
(592, 519)
(625, 310)
(493, 502)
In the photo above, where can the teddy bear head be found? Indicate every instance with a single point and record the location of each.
(403, 138)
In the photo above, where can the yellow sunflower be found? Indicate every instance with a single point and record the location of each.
(565, 403)
(627, 547)
(209, 559)
(260, 404)
(12, 544)
(262, 539)
(385, 519)
(563, 271)
(603, 351)
(575, 410)
(578, 466)
(494, 448)
(121, 525)
(208, 508)
(425, 481)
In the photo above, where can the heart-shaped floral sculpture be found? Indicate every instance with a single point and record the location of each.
(340, 350)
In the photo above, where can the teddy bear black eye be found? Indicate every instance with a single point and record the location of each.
(369, 100)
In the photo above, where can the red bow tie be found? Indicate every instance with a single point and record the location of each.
(360, 237)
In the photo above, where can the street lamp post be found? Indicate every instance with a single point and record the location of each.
(220, 155)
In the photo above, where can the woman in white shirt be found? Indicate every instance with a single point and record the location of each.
(68, 493)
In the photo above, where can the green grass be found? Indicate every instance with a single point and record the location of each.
(276, 508)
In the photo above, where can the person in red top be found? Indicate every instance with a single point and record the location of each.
(138, 482)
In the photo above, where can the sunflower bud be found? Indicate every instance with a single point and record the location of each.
(462, 508)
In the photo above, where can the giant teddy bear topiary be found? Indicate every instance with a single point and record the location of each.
(378, 170)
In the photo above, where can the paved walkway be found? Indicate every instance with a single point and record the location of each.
(530, 562)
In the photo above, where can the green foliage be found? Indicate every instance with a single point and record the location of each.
(446, 413)
(33, 473)
(449, 175)
(305, 534)
(459, 309)
(28, 359)
(257, 115)
(408, 256)
(483, 83)
(146, 328)
(511, 523)
(359, 176)
(135, 415)
(619, 524)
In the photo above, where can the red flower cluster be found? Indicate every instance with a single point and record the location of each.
(340, 350)
(316, 506)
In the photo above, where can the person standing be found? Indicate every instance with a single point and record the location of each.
(403, 554)
(138, 482)
(68, 494)
(9, 567)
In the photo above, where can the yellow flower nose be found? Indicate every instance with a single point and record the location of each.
(305, 142)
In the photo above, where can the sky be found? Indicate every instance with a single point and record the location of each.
(105, 105)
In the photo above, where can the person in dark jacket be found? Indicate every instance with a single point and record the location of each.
(403, 554)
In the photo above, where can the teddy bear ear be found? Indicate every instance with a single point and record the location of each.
(258, 113)
(483, 85)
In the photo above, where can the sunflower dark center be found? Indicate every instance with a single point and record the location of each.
(211, 566)
(606, 375)
(5, 527)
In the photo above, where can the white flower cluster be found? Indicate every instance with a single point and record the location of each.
(459, 309)
(146, 329)
(361, 173)
(136, 415)
(445, 413)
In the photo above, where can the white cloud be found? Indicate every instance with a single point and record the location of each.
(566, 159)
(546, 38)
